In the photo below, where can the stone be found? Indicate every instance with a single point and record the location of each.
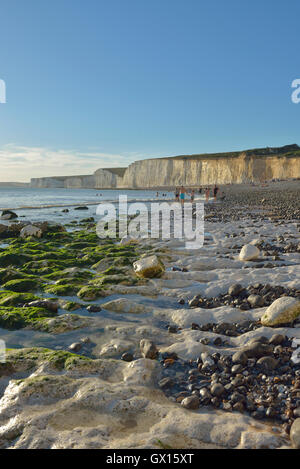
(127, 357)
(191, 402)
(166, 383)
(148, 349)
(267, 363)
(127, 240)
(295, 434)
(240, 358)
(217, 389)
(148, 267)
(255, 301)
(277, 339)
(49, 305)
(249, 253)
(8, 215)
(75, 347)
(235, 289)
(282, 311)
(257, 350)
(31, 230)
(94, 308)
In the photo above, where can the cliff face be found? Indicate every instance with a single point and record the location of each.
(191, 170)
(102, 179)
(201, 171)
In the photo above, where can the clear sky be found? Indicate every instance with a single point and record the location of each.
(100, 83)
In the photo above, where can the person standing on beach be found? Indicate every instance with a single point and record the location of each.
(207, 191)
(182, 194)
(177, 194)
(192, 195)
(216, 189)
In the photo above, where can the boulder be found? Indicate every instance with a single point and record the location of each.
(295, 434)
(148, 267)
(282, 311)
(31, 230)
(8, 215)
(249, 252)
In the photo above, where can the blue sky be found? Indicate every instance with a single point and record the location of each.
(100, 83)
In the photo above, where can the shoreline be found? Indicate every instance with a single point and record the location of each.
(95, 370)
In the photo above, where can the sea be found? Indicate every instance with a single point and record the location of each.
(48, 204)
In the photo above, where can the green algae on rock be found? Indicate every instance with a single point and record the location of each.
(19, 318)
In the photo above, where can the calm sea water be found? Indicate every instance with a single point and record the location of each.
(47, 204)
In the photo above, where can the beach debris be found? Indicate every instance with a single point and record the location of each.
(282, 311)
(148, 349)
(31, 230)
(148, 267)
(249, 253)
(81, 207)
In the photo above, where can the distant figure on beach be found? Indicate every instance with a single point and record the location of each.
(157, 194)
(192, 195)
(207, 192)
(216, 189)
(182, 194)
(177, 194)
(200, 190)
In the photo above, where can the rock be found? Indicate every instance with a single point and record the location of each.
(191, 402)
(148, 349)
(31, 230)
(283, 310)
(82, 207)
(124, 305)
(194, 302)
(49, 305)
(257, 350)
(255, 301)
(295, 434)
(249, 252)
(235, 289)
(267, 363)
(277, 339)
(127, 240)
(127, 357)
(148, 267)
(8, 215)
(217, 389)
(166, 383)
(94, 308)
(75, 347)
(240, 358)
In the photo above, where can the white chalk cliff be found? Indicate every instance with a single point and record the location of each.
(222, 168)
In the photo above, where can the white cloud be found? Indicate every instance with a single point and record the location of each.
(20, 163)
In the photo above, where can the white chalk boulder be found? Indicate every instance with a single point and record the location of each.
(31, 230)
(148, 267)
(283, 310)
(249, 252)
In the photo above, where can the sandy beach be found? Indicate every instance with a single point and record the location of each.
(100, 357)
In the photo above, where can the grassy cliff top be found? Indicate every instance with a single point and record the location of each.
(285, 151)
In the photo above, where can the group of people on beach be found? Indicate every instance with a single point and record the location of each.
(181, 193)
